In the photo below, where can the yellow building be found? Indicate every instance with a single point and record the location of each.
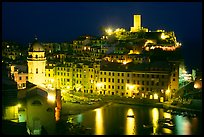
(129, 80)
(70, 76)
(37, 110)
(49, 76)
(36, 64)
(134, 82)
(137, 24)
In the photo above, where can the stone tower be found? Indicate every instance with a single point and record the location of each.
(137, 24)
(36, 63)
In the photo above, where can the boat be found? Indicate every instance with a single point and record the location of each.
(167, 125)
(132, 116)
(165, 120)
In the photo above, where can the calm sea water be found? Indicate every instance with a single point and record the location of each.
(113, 120)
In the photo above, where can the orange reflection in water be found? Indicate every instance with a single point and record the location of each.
(99, 129)
(130, 123)
(194, 124)
(57, 114)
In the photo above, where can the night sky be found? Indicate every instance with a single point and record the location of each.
(66, 21)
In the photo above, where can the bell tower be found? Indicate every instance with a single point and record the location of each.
(36, 63)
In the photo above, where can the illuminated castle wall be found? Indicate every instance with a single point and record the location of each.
(137, 24)
(36, 64)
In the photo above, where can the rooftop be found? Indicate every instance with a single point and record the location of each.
(153, 67)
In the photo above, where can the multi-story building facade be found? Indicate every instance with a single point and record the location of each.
(72, 76)
(143, 80)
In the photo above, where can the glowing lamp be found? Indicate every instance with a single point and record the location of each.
(109, 31)
(163, 36)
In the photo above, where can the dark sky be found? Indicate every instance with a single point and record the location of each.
(65, 21)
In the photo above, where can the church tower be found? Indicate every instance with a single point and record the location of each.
(36, 63)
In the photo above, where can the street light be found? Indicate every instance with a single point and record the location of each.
(163, 36)
(124, 62)
(131, 88)
(98, 85)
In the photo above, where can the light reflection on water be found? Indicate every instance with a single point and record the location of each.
(99, 130)
(130, 123)
(113, 120)
(155, 118)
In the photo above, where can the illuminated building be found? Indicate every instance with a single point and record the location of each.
(9, 97)
(11, 50)
(125, 58)
(36, 63)
(19, 74)
(49, 76)
(10, 106)
(198, 79)
(38, 110)
(83, 70)
(141, 80)
(137, 24)
(174, 76)
(70, 76)
(44, 93)
(135, 81)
